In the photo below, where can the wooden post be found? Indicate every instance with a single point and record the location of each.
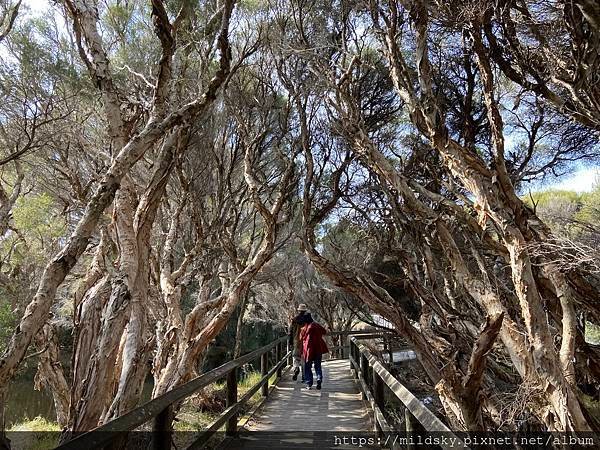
(412, 425)
(163, 429)
(264, 369)
(364, 369)
(278, 357)
(232, 391)
(351, 351)
(378, 391)
(378, 395)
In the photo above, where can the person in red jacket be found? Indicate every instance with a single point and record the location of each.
(313, 348)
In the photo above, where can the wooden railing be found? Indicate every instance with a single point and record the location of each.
(373, 376)
(339, 347)
(160, 409)
(370, 373)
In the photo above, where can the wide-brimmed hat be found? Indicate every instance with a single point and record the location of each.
(302, 307)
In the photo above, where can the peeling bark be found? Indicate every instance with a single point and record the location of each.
(8, 202)
(50, 373)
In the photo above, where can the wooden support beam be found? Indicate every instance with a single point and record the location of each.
(264, 368)
(378, 392)
(364, 368)
(162, 429)
(351, 353)
(378, 395)
(278, 351)
(232, 393)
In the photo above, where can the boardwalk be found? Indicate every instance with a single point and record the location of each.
(292, 416)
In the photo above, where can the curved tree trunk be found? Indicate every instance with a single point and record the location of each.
(50, 373)
(237, 350)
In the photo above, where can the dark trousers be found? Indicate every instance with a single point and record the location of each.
(308, 375)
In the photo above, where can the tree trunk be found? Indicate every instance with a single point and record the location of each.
(50, 373)
(237, 351)
(97, 390)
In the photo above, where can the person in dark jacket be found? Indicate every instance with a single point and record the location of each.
(313, 349)
(294, 340)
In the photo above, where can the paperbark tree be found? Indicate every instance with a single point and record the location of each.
(177, 361)
(127, 149)
(495, 196)
(415, 126)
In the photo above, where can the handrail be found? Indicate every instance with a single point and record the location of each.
(158, 406)
(370, 371)
(232, 410)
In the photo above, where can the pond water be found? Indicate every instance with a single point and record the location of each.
(400, 356)
(25, 403)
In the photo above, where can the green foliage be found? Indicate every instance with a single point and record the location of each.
(344, 241)
(36, 425)
(567, 213)
(250, 380)
(545, 198)
(34, 214)
(592, 333)
(250, 5)
(590, 206)
(46, 61)
(193, 418)
(38, 224)
(7, 322)
(194, 421)
(38, 436)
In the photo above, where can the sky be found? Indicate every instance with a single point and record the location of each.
(36, 5)
(582, 179)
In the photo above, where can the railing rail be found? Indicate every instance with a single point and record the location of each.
(160, 408)
(373, 376)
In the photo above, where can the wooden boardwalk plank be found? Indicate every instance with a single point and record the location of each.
(336, 407)
(293, 416)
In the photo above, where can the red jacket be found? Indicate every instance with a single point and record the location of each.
(313, 344)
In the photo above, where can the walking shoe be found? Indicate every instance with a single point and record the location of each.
(296, 372)
(308, 387)
(318, 385)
